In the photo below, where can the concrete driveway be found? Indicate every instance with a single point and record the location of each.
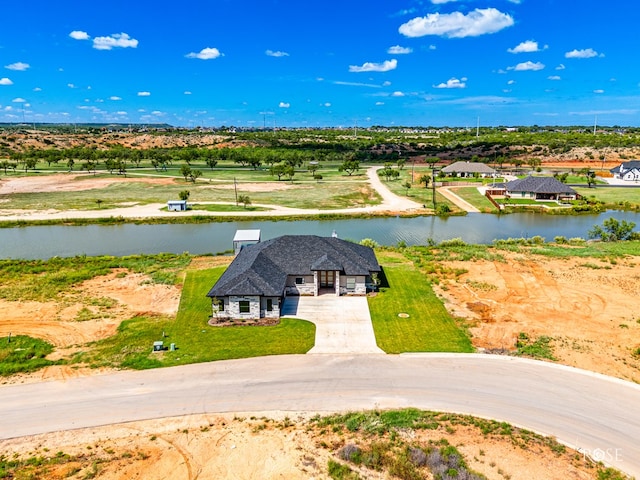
(343, 324)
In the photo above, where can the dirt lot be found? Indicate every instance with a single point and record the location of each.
(587, 306)
(270, 446)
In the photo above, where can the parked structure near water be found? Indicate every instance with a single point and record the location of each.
(177, 205)
(245, 238)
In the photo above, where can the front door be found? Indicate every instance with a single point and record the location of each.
(327, 279)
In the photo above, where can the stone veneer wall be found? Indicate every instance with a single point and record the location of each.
(233, 308)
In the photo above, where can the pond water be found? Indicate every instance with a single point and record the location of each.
(41, 242)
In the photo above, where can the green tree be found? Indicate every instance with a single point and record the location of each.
(589, 175)
(613, 230)
(194, 175)
(349, 166)
(184, 195)
(244, 200)
(425, 179)
(185, 171)
(407, 186)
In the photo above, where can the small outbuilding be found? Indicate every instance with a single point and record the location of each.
(177, 205)
(244, 238)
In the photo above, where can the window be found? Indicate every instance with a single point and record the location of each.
(269, 305)
(299, 280)
(351, 283)
(244, 306)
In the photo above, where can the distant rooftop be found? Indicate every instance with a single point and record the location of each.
(247, 236)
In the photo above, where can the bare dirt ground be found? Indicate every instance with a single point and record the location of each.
(587, 306)
(269, 446)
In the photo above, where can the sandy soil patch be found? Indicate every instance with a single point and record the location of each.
(67, 182)
(588, 306)
(259, 446)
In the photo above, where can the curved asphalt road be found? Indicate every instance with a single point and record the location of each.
(584, 410)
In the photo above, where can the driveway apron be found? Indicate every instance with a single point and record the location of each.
(343, 324)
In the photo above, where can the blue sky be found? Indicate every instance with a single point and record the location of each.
(329, 63)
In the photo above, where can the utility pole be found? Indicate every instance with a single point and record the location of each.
(235, 188)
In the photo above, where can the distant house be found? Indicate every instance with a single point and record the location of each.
(177, 205)
(469, 169)
(540, 188)
(629, 171)
(262, 275)
(244, 238)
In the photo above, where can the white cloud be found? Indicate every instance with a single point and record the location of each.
(18, 100)
(121, 112)
(157, 112)
(386, 83)
(379, 103)
(375, 67)
(528, 46)
(511, 82)
(71, 85)
(453, 83)
(440, 2)
(397, 94)
(277, 53)
(527, 66)
(560, 67)
(586, 53)
(205, 54)
(432, 47)
(144, 94)
(554, 77)
(598, 91)
(284, 105)
(327, 104)
(458, 25)
(5, 81)
(18, 66)
(115, 99)
(187, 92)
(398, 50)
(116, 40)
(37, 89)
(79, 35)
(356, 84)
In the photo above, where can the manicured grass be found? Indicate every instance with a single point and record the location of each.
(428, 328)
(475, 198)
(195, 340)
(23, 354)
(216, 207)
(628, 198)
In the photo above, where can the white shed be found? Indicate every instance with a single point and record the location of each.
(177, 205)
(244, 238)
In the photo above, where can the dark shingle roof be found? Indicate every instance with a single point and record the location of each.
(539, 185)
(626, 166)
(262, 269)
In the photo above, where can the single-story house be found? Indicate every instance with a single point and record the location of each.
(244, 238)
(540, 188)
(177, 205)
(627, 171)
(262, 275)
(469, 169)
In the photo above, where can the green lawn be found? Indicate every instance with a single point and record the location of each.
(428, 328)
(475, 198)
(195, 340)
(625, 197)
